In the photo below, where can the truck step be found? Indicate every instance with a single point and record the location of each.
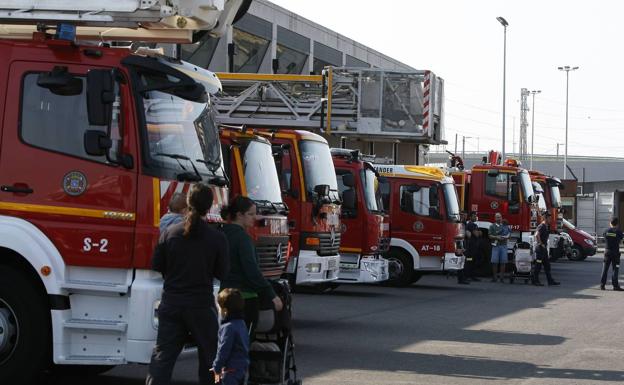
(117, 326)
(95, 286)
(91, 360)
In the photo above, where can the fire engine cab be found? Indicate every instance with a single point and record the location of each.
(364, 225)
(93, 142)
(500, 187)
(426, 235)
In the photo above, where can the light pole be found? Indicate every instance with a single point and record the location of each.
(558, 144)
(464, 145)
(533, 125)
(504, 24)
(567, 70)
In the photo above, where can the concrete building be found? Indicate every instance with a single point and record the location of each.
(271, 39)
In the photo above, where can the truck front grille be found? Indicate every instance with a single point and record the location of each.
(271, 253)
(327, 247)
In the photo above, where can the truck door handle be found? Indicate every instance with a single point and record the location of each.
(23, 189)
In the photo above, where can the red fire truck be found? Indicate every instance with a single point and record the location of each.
(93, 141)
(308, 184)
(365, 227)
(426, 235)
(494, 187)
(249, 163)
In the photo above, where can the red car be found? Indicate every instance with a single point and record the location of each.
(584, 243)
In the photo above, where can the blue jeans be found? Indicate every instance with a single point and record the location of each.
(499, 254)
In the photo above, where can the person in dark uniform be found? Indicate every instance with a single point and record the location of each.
(245, 274)
(472, 247)
(541, 239)
(613, 237)
(189, 255)
(462, 279)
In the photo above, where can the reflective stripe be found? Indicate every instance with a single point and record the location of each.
(72, 211)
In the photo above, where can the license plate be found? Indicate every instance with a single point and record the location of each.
(348, 266)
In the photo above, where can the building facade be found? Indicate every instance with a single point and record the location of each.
(270, 39)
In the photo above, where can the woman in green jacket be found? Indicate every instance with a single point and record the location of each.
(245, 274)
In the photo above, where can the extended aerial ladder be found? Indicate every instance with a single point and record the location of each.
(162, 21)
(370, 103)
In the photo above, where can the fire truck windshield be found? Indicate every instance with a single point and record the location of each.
(526, 184)
(450, 198)
(178, 126)
(318, 167)
(260, 174)
(371, 190)
(555, 196)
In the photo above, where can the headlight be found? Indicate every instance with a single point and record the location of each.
(313, 267)
(589, 241)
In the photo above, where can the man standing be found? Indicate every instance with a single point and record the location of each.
(498, 234)
(472, 247)
(613, 237)
(541, 252)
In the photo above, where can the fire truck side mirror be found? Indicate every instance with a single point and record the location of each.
(60, 82)
(348, 200)
(100, 97)
(348, 180)
(96, 142)
(322, 190)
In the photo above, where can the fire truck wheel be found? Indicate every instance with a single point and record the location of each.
(24, 329)
(576, 254)
(400, 268)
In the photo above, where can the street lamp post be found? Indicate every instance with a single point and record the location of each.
(567, 70)
(533, 125)
(504, 24)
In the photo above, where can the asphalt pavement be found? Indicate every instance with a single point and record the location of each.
(439, 332)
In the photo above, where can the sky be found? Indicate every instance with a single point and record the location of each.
(462, 42)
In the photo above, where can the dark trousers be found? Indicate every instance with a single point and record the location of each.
(174, 325)
(542, 259)
(252, 312)
(611, 259)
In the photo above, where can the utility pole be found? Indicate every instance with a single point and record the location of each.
(524, 108)
(504, 23)
(455, 144)
(567, 70)
(464, 145)
(533, 125)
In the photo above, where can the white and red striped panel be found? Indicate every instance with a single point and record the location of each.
(426, 102)
(168, 188)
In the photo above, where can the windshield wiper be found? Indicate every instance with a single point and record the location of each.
(219, 180)
(267, 203)
(184, 176)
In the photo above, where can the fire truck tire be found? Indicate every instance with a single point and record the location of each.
(576, 254)
(25, 315)
(400, 267)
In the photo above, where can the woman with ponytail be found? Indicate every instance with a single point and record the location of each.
(189, 255)
(245, 274)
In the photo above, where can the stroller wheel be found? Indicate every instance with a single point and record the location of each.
(289, 369)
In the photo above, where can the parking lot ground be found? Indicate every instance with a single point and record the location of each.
(439, 332)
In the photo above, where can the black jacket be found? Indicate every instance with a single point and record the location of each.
(190, 264)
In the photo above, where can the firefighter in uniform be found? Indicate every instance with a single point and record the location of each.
(541, 238)
(613, 237)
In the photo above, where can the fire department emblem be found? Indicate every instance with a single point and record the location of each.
(418, 226)
(74, 183)
(494, 205)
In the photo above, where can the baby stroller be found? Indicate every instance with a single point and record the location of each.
(272, 352)
(522, 262)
